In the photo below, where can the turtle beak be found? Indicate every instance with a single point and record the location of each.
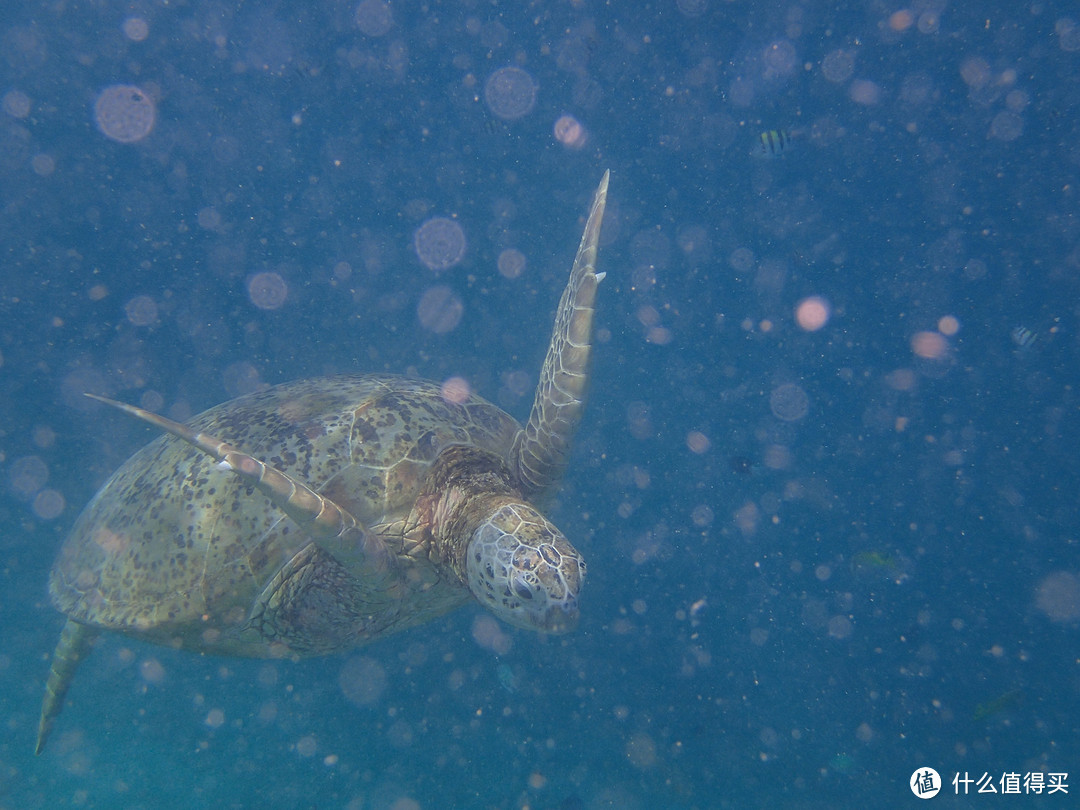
(524, 569)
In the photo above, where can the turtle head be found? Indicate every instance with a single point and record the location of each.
(524, 570)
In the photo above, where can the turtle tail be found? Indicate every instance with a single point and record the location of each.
(74, 644)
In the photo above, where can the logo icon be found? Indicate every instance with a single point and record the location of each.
(925, 783)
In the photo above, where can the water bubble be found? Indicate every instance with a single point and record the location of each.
(517, 383)
(455, 390)
(1058, 596)
(510, 93)
(570, 133)
(135, 28)
(901, 20)
(975, 269)
(215, 718)
(659, 336)
(838, 65)
(698, 442)
(374, 17)
(864, 91)
(812, 313)
(152, 671)
(439, 243)
(641, 751)
(639, 420)
(651, 248)
(342, 271)
(267, 290)
(124, 113)
(241, 378)
(929, 22)
(1068, 33)
(306, 746)
(44, 436)
(16, 104)
(209, 218)
(702, 515)
(489, 634)
(1006, 126)
(691, 8)
(440, 309)
(780, 58)
(43, 165)
(152, 401)
(777, 457)
(840, 627)
(511, 263)
(948, 325)
(694, 242)
(789, 402)
(929, 345)
(741, 259)
(975, 71)
(362, 681)
(26, 476)
(1017, 100)
(141, 311)
(81, 381)
(225, 149)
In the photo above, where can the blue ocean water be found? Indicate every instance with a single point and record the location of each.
(821, 555)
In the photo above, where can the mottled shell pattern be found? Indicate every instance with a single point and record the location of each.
(178, 550)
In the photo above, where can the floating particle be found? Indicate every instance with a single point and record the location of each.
(789, 402)
(456, 390)
(141, 311)
(510, 93)
(267, 290)
(439, 243)
(16, 104)
(26, 476)
(929, 345)
(374, 17)
(362, 680)
(440, 309)
(812, 313)
(124, 113)
(511, 263)
(135, 28)
(570, 132)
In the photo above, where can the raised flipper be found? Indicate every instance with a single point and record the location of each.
(541, 450)
(74, 644)
(330, 526)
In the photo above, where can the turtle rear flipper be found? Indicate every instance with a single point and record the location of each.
(541, 449)
(74, 644)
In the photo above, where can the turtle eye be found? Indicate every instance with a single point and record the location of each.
(523, 590)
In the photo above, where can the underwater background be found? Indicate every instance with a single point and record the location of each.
(827, 480)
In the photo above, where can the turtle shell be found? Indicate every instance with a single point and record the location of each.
(176, 550)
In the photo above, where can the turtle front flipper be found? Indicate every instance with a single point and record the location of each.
(314, 606)
(332, 528)
(74, 644)
(541, 450)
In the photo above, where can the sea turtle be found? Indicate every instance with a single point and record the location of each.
(321, 514)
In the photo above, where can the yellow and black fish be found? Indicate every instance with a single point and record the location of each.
(1023, 337)
(773, 143)
(1002, 703)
